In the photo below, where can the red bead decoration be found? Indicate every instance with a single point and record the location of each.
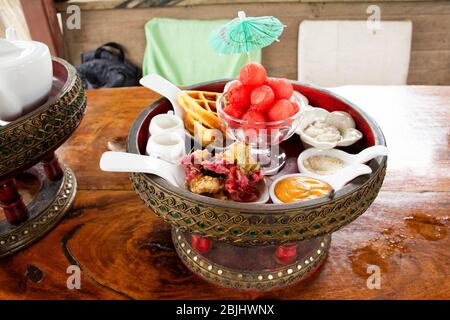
(286, 253)
(200, 244)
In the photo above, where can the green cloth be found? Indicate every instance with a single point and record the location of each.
(178, 51)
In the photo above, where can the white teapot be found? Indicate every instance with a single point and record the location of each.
(26, 74)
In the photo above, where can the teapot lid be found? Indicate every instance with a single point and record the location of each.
(14, 51)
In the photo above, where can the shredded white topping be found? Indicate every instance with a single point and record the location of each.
(322, 131)
(323, 164)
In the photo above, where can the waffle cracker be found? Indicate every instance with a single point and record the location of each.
(200, 114)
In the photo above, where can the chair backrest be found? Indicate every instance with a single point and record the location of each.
(334, 53)
(178, 50)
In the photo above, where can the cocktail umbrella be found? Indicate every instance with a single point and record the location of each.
(245, 34)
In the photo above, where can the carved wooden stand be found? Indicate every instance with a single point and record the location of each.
(28, 145)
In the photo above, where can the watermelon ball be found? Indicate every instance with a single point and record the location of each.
(295, 107)
(251, 130)
(281, 110)
(282, 88)
(254, 116)
(261, 98)
(238, 96)
(253, 75)
(234, 112)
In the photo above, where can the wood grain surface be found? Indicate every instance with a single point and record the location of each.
(125, 252)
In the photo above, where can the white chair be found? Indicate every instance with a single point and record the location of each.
(335, 53)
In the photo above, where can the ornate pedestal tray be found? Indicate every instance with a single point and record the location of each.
(258, 247)
(27, 145)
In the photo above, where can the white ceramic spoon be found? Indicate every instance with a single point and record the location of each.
(336, 180)
(165, 88)
(130, 162)
(348, 159)
(174, 174)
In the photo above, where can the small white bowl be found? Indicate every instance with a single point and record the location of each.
(169, 147)
(339, 119)
(167, 123)
(336, 181)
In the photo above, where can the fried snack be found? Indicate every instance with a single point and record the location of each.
(206, 184)
(200, 114)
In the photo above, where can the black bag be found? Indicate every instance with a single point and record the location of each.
(106, 68)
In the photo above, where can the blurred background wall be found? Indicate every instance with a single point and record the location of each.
(123, 21)
(11, 14)
(430, 50)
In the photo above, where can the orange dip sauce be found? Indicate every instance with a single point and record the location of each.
(294, 189)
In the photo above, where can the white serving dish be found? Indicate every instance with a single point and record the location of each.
(336, 180)
(339, 119)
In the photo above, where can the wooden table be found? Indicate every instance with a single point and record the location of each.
(124, 251)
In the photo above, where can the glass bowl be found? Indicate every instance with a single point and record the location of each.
(263, 138)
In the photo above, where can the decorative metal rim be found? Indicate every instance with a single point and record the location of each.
(249, 229)
(24, 142)
(244, 280)
(36, 227)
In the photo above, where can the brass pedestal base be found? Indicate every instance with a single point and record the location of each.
(47, 208)
(251, 268)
